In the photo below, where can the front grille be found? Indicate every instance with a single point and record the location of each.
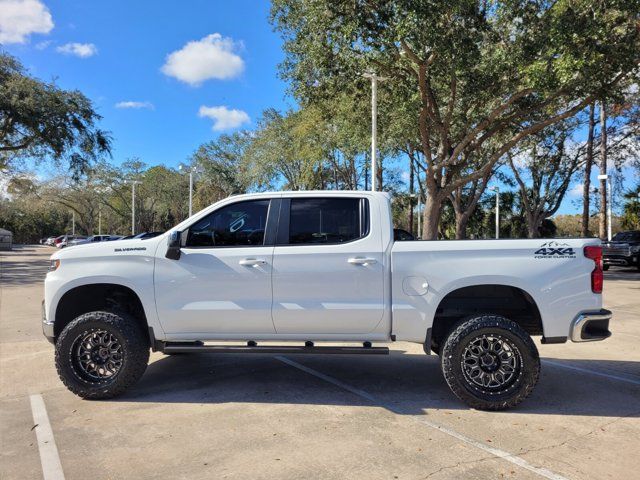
(623, 251)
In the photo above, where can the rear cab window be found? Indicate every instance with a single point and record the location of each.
(329, 221)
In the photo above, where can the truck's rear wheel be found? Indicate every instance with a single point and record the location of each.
(490, 362)
(101, 354)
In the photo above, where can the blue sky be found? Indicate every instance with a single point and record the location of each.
(115, 52)
(166, 76)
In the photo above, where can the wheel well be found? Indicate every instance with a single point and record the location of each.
(98, 296)
(510, 302)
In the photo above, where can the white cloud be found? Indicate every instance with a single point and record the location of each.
(134, 104)
(214, 56)
(576, 190)
(42, 45)
(224, 118)
(82, 50)
(21, 18)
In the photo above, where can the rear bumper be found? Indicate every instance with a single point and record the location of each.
(591, 326)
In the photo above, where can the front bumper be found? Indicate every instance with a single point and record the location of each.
(623, 261)
(47, 327)
(591, 326)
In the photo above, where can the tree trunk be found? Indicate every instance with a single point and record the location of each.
(431, 217)
(462, 219)
(587, 173)
(602, 224)
(533, 226)
(366, 174)
(411, 196)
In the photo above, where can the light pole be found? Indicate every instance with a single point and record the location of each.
(608, 182)
(133, 204)
(73, 223)
(100, 219)
(497, 190)
(192, 170)
(374, 125)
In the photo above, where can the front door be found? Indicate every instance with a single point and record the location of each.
(221, 284)
(328, 270)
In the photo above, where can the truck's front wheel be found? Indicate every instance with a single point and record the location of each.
(490, 362)
(101, 354)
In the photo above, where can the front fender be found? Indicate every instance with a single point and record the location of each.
(72, 274)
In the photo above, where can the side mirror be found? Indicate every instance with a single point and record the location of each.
(173, 245)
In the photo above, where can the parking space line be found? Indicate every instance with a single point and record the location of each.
(543, 472)
(592, 372)
(49, 458)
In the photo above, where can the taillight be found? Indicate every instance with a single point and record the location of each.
(597, 275)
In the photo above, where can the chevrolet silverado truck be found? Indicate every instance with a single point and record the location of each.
(320, 273)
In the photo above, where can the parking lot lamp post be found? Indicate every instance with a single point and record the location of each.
(192, 171)
(133, 204)
(73, 223)
(99, 219)
(608, 182)
(374, 126)
(497, 190)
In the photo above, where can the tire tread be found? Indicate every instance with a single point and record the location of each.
(453, 375)
(136, 349)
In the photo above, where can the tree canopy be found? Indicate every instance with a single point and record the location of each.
(468, 80)
(42, 121)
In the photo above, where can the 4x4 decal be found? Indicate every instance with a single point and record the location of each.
(555, 249)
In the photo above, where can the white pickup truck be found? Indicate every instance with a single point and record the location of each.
(301, 268)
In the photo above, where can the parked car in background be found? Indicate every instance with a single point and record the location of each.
(401, 235)
(50, 241)
(66, 239)
(623, 250)
(93, 238)
(57, 240)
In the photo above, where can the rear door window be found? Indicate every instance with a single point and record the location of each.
(327, 220)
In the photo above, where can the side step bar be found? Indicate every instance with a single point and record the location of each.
(177, 347)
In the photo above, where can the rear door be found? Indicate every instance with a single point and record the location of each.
(328, 272)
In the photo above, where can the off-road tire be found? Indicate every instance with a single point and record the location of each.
(134, 354)
(462, 339)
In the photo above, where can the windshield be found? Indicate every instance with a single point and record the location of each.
(627, 237)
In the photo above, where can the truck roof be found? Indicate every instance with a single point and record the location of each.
(303, 193)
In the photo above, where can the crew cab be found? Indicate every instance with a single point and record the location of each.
(304, 268)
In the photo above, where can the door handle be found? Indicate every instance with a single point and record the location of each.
(361, 261)
(252, 262)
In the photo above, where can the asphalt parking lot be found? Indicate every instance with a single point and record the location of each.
(301, 417)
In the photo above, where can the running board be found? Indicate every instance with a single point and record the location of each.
(177, 347)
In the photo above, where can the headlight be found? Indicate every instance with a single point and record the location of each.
(53, 266)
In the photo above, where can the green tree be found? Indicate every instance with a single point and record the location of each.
(467, 79)
(223, 168)
(40, 120)
(288, 150)
(631, 211)
(543, 169)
